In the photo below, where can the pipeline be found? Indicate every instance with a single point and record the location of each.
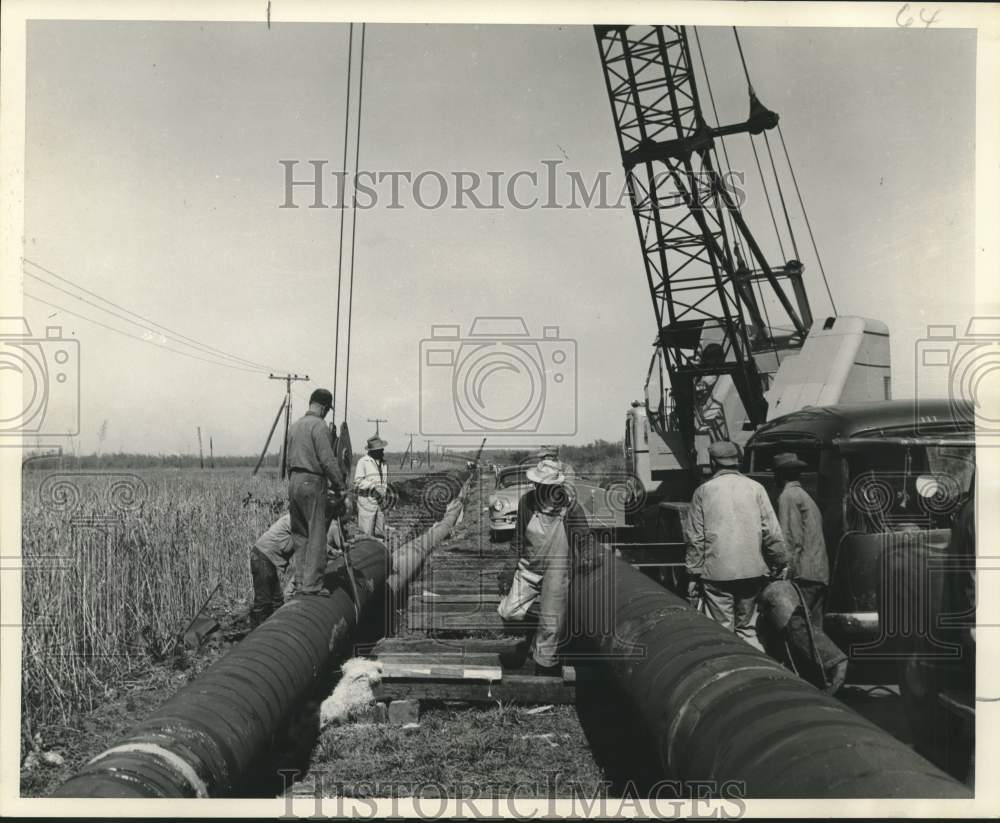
(719, 710)
(408, 559)
(205, 739)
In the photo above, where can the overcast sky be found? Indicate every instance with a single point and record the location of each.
(153, 179)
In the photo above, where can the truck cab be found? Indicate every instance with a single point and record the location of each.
(889, 479)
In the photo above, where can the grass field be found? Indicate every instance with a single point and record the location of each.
(116, 564)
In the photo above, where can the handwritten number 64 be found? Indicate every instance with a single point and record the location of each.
(907, 21)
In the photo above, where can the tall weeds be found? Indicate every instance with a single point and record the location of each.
(116, 563)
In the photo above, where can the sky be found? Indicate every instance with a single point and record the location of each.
(153, 180)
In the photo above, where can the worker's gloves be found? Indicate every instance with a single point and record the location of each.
(779, 572)
(335, 504)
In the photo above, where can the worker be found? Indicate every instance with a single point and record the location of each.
(733, 541)
(371, 482)
(792, 609)
(552, 453)
(312, 465)
(552, 539)
(270, 557)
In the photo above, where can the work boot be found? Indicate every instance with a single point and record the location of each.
(516, 657)
(320, 593)
(548, 671)
(837, 678)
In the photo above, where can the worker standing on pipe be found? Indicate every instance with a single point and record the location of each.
(371, 481)
(550, 537)
(311, 465)
(792, 609)
(270, 557)
(734, 541)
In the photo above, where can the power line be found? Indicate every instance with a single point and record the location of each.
(181, 338)
(141, 339)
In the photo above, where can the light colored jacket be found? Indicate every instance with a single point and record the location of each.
(802, 529)
(369, 478)
(733, 532)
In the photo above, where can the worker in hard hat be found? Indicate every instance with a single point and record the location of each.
(371, 483)
(313, 470)
(733, 543)
(551, 537)
(791, 609)
(269, 558)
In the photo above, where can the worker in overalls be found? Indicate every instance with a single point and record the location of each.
(371, 481)
(791, 609)
(551, 538)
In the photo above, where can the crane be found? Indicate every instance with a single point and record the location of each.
(716, 370)
(691, 230)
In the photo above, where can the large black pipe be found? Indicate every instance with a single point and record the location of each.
(203, 741)
(719, 710)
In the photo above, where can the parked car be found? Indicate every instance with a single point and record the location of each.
(511, 484)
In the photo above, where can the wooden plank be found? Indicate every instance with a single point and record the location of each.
(478, 659)
(440, 598)
(523, 689)
(438, 671)
(470, 645)
(441, 619)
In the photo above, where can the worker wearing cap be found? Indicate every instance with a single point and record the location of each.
(312, 467)
(270, 557)
(551, 537)
(792, 609)
(734, 540)
(371, 480)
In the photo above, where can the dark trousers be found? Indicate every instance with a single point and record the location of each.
(794, 635)
(267, 596)
(307, 507)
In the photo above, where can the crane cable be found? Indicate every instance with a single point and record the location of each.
(340, 251)
(725, 152)
(354, 218)
(805, 214)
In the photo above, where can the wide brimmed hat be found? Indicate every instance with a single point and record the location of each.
(375, 443)
(724, 453)
(546, 473)
(788, 460)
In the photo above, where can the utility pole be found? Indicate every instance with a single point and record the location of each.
(376, 421)
(288, 378)
(201, 451)
(428, 442)
(409, 450)
(211, 454)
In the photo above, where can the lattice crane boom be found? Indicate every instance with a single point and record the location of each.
(709, 319)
